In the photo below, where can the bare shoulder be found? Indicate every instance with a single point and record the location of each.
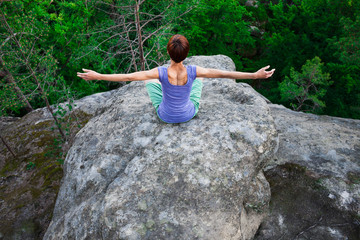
(209, 72)
(201, 72)
(149, 74)
(153, 72)
(143, 75)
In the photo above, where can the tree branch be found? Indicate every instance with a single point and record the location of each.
(34, 76)
(307, 229)
(7, 146)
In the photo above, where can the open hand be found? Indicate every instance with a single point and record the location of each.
(262, 73)
(89, 75)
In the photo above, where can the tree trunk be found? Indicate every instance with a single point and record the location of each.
(138, 28)
(10, 79)
(32, 73)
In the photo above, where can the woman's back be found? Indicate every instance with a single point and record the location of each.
(176, 105)
(177, 75)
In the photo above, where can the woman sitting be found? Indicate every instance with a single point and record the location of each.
(175, 91)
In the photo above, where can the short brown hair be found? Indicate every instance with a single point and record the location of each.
(178, 48)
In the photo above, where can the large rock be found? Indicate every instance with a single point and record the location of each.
(314, 178)
(329, 147)
(30, 181)
(130, 176)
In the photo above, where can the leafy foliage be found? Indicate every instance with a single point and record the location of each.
(306, 89)
(217, 27)
(345, 94)
(302, 29)
(24, 57)
(59, 38)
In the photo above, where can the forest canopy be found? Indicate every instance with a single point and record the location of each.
(314, 46)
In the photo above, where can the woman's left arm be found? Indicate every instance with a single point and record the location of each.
(89, 75)
(216, 73)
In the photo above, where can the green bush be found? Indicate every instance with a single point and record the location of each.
(306, 90)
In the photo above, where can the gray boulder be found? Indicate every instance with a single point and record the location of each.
(130, 176)
(251, 3)
(314, 178)
(329, 147)
(29, 182)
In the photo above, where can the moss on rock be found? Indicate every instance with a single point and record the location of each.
(29, 193)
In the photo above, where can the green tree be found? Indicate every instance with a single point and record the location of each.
(305, 90)
(133, 29)
(294, 32)
(218, 27)
(344, 95)
(129, 35)
(34, 68)
(348, 44)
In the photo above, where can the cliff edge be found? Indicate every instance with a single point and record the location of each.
(130, 176)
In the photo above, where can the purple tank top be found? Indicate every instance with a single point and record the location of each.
(176, 106)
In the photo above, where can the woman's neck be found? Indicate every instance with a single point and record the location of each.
(177, 73)
(176, 65)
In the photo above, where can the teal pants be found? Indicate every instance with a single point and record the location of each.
(155, 93)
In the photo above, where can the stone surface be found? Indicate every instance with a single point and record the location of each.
(328, 147)
(251, 3)
(217, 61)
(30, 182)
(130, 176)
(92, 105)
(314, 178)
(300, 208)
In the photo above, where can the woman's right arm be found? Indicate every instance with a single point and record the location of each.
(136, 76)
(216, 73)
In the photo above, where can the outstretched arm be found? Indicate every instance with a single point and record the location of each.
(136, 76)
(215, 73)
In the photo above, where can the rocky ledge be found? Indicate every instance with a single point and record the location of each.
(130, 176)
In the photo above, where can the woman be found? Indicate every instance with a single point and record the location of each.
(175, 90)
